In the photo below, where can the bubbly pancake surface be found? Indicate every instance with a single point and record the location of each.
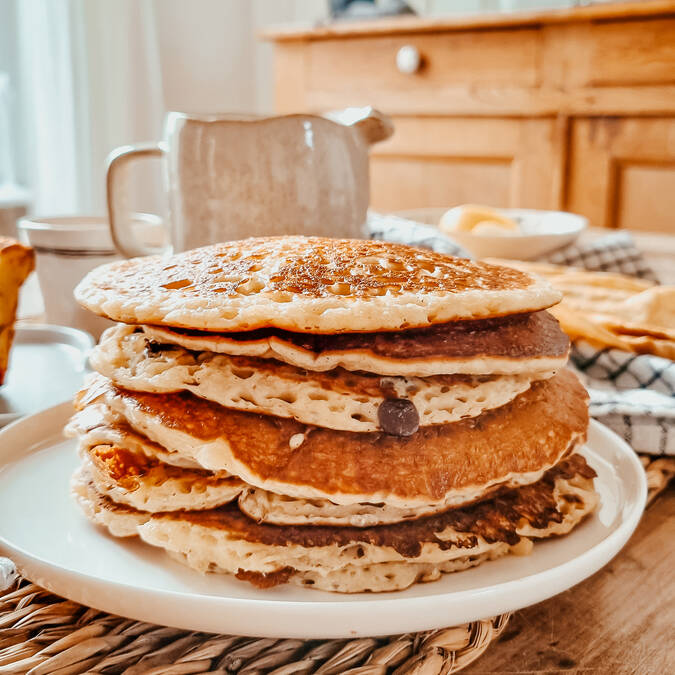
(308, 284)
(451, 463)
(521, 343)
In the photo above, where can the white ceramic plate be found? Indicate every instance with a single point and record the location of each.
(47, 365)
(44, 532)
(541, 232)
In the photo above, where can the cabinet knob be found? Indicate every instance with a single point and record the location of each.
(408, 59)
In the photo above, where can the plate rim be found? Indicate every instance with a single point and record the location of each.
(75, 585)
(73, 337)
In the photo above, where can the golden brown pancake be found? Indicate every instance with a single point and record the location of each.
(452, 463)
(308, 284)
(519, 343)
(130, 470)
(336, 399)
(494, 520)
(516, 336)
(383, 558)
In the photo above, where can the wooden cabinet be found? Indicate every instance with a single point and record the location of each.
(622, 171)
(570, 109)
(505, 162)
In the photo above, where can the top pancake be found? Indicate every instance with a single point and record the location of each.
(308, 284)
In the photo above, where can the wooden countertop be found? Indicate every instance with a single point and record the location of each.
(455, 22)
(621, 620)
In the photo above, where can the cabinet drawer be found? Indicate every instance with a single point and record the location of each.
(637, 53)
(461, 64)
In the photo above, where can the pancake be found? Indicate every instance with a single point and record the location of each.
(442, 465)
(119, 519)
(157, 474)
(146, 484)
(127, 468)
(338, 399)
(384, 558)
(267, 507)
(520, 343)
(308, 284)
(130, 470)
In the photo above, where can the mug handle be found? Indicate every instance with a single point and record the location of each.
(117, 196)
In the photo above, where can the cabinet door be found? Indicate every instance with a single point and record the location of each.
(441, 161)
(622, 172)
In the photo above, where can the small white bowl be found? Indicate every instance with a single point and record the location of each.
(541, 232)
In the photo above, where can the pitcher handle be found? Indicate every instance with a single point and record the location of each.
(117, 183)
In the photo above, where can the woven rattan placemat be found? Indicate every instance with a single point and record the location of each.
(43, 634)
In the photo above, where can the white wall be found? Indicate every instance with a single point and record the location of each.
(206, 55)
(210, 57)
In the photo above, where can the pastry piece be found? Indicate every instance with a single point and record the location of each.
(478, 220)
(16, 263)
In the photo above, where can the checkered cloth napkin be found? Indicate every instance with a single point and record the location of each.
(633, 394)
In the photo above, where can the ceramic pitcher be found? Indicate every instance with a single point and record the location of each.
(229, 177)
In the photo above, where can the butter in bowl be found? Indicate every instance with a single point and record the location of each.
(517, 234)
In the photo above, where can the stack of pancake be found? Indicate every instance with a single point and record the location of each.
(343, 415)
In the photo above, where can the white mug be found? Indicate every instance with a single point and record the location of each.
(67, 247)
(230, 177)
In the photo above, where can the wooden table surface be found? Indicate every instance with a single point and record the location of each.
(621, 620)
